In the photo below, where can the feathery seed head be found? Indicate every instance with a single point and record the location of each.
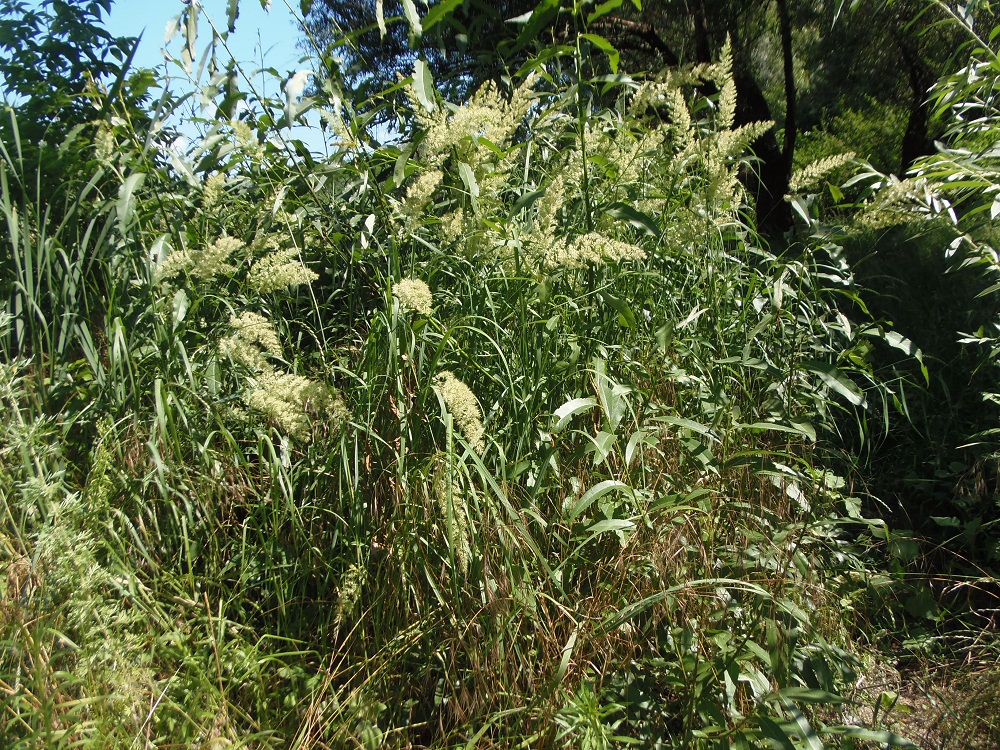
(414, 295)
(280, 269)
(464, 407)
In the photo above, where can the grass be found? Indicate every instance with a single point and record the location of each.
(243, 506)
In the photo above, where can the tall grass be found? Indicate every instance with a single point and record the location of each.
(258, 492)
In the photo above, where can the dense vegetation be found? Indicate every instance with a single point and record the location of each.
(511, 420)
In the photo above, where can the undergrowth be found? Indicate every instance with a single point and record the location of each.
(511, 431)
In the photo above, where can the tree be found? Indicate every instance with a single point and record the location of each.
(61, 71)
(877, 50)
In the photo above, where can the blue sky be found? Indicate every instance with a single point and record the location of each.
(270, 35)
(262, 39)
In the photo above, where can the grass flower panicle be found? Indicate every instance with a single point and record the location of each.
(202, 264)
(414, 295)
(292, 400)
(257, 329)
(810, 175)
(422, 189)
(251, 333)
(278, 270)
(211, 192)
(591, 248)
(464, 407)
(455, 514)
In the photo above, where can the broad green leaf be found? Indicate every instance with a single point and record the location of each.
(870, 735)
(686, 424)
(570, 409)
(423, 85)
(606, 47)
(807, 695)
(636, 218)
(836, 380)
(173, 26)
(534, 22)
(469, 179)
(805, 729)
(180, 306)
(798, 428)
(380, 18)
(595, 493)
(413, 18)
(526, 201)
(900, 342)
(438, 11)
(626, 317)
(774, 734)
(232, 13)
(602, 444)
(603, 9)
(125, 206)
(610, 524)
(567, 655)
(189, 52)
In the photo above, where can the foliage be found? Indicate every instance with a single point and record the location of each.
(508, 432)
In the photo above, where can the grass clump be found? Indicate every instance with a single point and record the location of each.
(263, 487)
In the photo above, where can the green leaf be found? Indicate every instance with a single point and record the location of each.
(232, 13)
(609, 524)
(595, 493)
(806, 730)
(836, 380)
(125, 205)
(469, 178)
(567, 655)
(439, 11)
(686, 424)
(543, 13)
(603, 9)
(526, 201)
(181, 303)
(416, 31)
(626, 317)
(570, 409)
(606, 47)
(870, 735)
(625, 212)
(903, 344)
(808, 695)
(380, 18)
(190, 36)
(423, 85)
(774, 734)
(798, 428)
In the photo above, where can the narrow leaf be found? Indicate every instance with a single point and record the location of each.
(625, 212)
(423, 84)
(439, 11)
(416, 31)
(774, 734)
(837, 381)
(603, 9)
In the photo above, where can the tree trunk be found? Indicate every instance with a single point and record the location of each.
(916, 141)
(768, 182)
